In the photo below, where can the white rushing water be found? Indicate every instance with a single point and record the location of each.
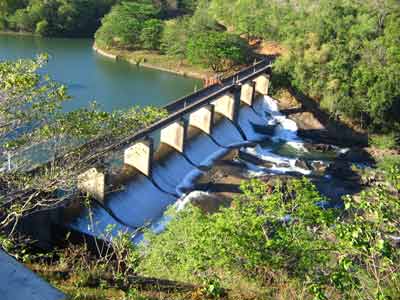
(141, 202)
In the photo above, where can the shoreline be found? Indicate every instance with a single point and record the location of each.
(18, 33)
(154, 61)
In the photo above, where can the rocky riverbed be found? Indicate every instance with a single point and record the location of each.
(336, 165)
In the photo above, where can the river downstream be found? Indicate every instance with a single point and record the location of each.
(89, 76)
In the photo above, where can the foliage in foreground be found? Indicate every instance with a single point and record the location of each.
(282, 240)
(34, 129)
(272, 243)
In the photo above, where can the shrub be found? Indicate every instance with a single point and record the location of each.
(284, 235)
(384, 141)
(216, 50)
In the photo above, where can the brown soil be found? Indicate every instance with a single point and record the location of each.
(271, 48)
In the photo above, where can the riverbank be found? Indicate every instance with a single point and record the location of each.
(18, 33)
(154, 60)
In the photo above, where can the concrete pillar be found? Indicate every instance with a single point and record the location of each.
(203, 119)
(247, 93)
(174, 135)
(262, 84)
(140, 156)
(226, 106)
(92, 182)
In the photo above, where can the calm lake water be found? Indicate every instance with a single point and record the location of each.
(89, 77)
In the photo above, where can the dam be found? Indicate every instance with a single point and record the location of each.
(161, 163)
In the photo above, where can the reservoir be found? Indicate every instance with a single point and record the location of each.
(91, 77)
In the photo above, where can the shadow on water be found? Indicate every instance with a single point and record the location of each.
(341, 178)
(219, 187)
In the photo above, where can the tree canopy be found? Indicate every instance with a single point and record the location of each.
(344, 54)
(54, 17)
(123, 26)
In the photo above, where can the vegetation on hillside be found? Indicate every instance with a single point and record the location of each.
(54, 17)
(282, 244)
(199, 39)
(343, 54)
(72, 18)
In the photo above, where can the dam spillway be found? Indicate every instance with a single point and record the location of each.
(167, 158)
(141, 203)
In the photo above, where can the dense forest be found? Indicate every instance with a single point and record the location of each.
(55, 17)
(69, 18)
(344, 54)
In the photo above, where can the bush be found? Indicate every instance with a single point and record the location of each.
(151, 34)
(216, 50)
(384, 141)
(122, 27)
(42, 28)
(174, 37)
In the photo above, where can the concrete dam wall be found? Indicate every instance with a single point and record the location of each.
(158, 173)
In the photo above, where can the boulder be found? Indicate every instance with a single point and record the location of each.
(357, 155)
(302, 164)
(342, 170)
(255, 160)
(319, 166)
(319, 147)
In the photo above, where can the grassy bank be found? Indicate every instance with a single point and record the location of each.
(155, 60)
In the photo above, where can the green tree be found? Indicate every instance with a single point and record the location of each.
(217, 50)
(175, 37)
(123, 26)
(151, 34)
(63, 17)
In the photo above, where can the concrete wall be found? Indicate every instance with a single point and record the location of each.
(20, 283)
(262, 84)
(226, 106)
(247, 93)
(174, 136)
(140, 156)
(203, 119)
(93, 183)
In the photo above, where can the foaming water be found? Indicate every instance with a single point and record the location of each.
(286, 129)
(281, 164)
(248, 120)
(140, 203)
